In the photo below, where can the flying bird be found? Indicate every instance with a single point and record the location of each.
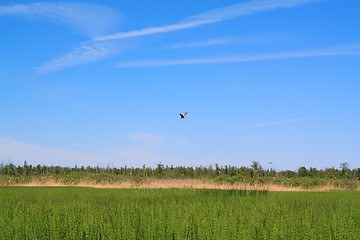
(183, 115)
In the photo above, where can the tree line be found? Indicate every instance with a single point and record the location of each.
(255, 174)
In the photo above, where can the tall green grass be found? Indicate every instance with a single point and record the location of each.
(88, 213)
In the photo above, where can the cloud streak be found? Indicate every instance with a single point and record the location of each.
(149, 140)
(84, 54)
(343, 51)
(87, 52)
(143, 148)
(209, 42)
(275, 123)
(213, 16)
(33, 153)
(253, 40)
(91, 19)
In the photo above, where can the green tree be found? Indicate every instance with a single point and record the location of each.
(302, 172)
(344, 169)
(255, 165)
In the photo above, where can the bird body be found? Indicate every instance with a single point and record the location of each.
(183, 115)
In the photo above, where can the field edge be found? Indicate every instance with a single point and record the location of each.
(177, 183)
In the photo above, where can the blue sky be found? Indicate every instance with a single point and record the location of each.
(103, 83)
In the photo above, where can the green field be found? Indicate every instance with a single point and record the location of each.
(89, 213)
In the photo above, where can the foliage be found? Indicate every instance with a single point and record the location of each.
(255, 174)
(88, 213)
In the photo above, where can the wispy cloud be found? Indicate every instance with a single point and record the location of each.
(85, 53)
(264, 39)
(82, 55)
(147, 139)
(142, 148)
(208, 42)
(216, 15)
(276, 123)
(348, 50)
(182, 140)
(152, 30)
(91, 19)
(146, 148)
(19, 151)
